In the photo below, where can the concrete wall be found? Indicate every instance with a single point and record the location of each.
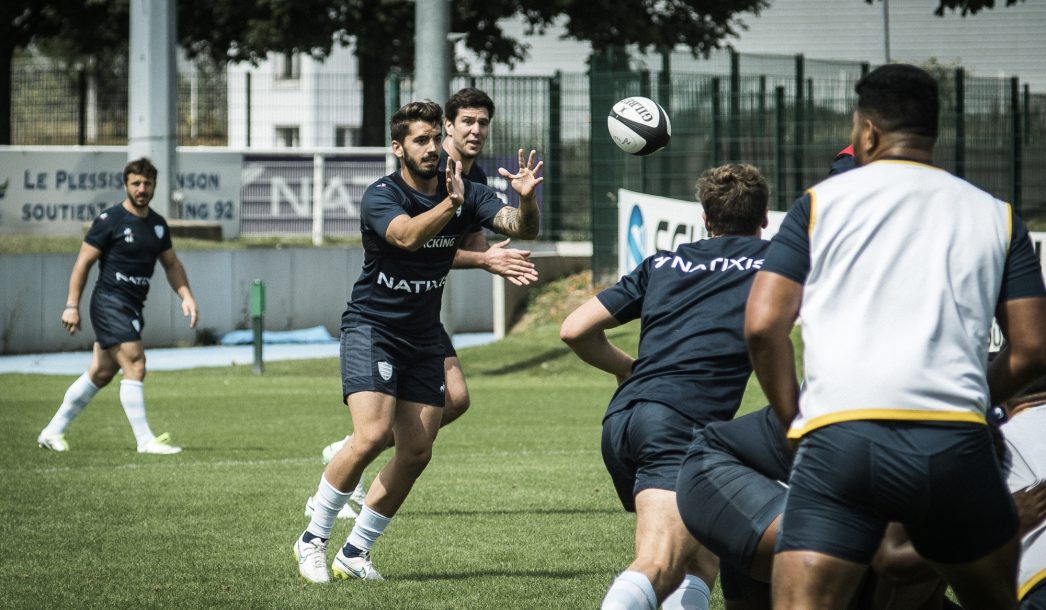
(304, 287)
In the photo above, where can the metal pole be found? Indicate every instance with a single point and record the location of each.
(431, 62)
(152, 91)
(317, 200)
(258, 323)
(886, 31)
(248, 103)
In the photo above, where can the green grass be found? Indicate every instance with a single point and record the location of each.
(515, 511)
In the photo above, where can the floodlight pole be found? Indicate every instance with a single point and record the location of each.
(431, 57)
(152, 89)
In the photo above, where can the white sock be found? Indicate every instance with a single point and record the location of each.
(326, 504)
(692, 594)
(630, 591)
(369, 525)
(132, 397)
(76, 398)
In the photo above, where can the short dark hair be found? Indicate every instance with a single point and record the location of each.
(469, 97)
(900, 98)
(735, 197)
(142, 167)
(427, 111)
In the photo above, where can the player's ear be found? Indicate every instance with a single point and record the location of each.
(766, 221)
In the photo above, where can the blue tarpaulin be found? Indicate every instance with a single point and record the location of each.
(316, 334)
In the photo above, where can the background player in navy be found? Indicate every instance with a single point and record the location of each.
(128, 239)
(692, 369)
(392, 356)
(896, 269)
(467, 117)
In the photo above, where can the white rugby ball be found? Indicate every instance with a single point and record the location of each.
(639, 126)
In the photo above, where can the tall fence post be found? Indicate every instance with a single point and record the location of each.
(248, 103)
(800, 131)
(733, 127)
(717, 128)
(1015, 145)
(960, 123)
(81, 93)
(779, 145)
(553, 186)
(258, 323)
(318, 162)
(392, 104)
(664, 93)
(607, 84)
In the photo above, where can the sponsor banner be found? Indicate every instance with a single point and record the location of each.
(278, 192)
(647, 223)
(57, 192)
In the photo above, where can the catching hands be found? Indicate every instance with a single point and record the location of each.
(510, 263)
(455, 184)
(526, 180)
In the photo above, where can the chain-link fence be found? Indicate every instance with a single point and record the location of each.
(786, 114)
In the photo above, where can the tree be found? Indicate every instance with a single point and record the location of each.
(965, 6)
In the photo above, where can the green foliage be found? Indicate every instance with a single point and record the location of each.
(964, 7)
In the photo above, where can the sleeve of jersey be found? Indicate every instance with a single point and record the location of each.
(1022, 277)
(165, 242)
(381, 203)
(624, 300)
(484, 202)
(789, 252)
(97, 234)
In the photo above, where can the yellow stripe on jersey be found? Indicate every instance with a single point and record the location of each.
(813, 212)
(1009, 226)
(1030, 584)
(887, 414)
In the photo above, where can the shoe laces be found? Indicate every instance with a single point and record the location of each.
(316, 555)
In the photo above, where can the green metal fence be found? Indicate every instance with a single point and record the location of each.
(786, 114)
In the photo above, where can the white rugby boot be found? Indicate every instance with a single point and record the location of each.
(360, 567)
(312, 560)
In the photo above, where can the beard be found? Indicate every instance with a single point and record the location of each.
(136, 203)
(416, 169)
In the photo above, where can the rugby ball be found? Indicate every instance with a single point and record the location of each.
(639, 126)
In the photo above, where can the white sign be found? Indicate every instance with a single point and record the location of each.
(647, 223)
(57, 191)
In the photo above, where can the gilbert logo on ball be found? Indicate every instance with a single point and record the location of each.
(639, 126)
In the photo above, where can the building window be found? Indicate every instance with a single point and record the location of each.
(287, 137)
(346, 136)
(288, 67)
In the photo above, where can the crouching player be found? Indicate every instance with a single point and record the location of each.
(692, 369)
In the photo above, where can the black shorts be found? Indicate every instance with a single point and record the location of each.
(725, 504)
(377, 360)
(1035, 599)
(448, 347)
(115, 320)
(643, 448)
(940, 480)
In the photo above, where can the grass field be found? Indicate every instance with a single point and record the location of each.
(515, 510)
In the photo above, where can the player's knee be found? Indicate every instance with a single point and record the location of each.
(135, 370)
(415, 457)
(370, 443)
(101, 376)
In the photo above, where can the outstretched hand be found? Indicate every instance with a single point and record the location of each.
(526, 180)
(510, 263)
(455, 184)
(190, 310)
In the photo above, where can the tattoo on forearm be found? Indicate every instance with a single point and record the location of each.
(511, 222)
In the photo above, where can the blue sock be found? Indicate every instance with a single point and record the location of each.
(309, 537)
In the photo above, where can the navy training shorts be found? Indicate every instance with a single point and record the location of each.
(725, 504)
(643, 448)
(377, 360)
(448, 346)
(115, 320)
(940, 480)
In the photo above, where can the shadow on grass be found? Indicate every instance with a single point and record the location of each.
(522, 365)
(443, 575)
(537, 510)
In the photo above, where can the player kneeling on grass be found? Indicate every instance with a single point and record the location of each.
(692, 369)
(391, 356)
(128, 239)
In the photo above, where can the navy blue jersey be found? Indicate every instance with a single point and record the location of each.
(690, 304)
(475, 173)
(757, 440)
(402, 290)
(130, 246)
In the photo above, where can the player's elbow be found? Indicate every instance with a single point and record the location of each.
(571, 331)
